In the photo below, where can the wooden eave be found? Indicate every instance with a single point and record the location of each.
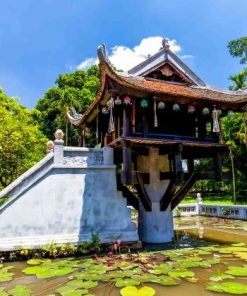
(166, 90)
(196, 148)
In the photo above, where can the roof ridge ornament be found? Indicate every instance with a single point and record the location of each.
(102, 53)
(166, 43)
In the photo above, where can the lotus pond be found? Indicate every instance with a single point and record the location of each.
(193, 267)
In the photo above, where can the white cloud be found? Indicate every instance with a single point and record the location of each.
(125, 58)
(87, 63)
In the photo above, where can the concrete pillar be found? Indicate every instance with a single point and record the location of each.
(108, 155)
(155, 226)
(58, 146)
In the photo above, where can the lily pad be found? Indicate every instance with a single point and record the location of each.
(133, 291)
(3, 292)
(126, 282)
(218, 276)
(181, 273)
(48, 270)
(228, 287)
(70, 291)
(161, 269)
(20, 291)
(5, 275)
(237, 270)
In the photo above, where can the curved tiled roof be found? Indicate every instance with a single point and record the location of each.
(229, 99)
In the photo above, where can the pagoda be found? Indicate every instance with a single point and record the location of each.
(159, 118)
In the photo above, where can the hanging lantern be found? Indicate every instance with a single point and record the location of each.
(127, 101)
(110, 104)
(205, 111)
(105, 111)
(118, 101)
(161, 105)
(216, 125)
(176, 107)
(230, 114)
(191, 109)
(144, 103)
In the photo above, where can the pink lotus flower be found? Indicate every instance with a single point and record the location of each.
(109, 254)
(95, 256)
(118, 242)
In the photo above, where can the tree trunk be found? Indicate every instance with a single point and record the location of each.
(233, 176)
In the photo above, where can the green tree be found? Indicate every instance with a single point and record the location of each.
(76, 89)
(22, 143)
(240, 80)
(238, 48)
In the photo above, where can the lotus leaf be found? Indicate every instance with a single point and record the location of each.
(192, 280)
(228, 287)
(165, 281)
(97, 269)
(161, 269)
(88, 276)
(241, 255)
(237, 270)
(218, 276)
(5, 275)
(37, 261)
(70, 291)
(20, 291)
(126, 282)
(181, 273)
(133, 291)
(48, 270)
(238, 245)
(86, 264)
(77, 284)
(3, 292)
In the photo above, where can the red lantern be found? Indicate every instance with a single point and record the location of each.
(191, 109)
(127, 101)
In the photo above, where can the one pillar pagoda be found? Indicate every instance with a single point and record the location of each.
(157, 117)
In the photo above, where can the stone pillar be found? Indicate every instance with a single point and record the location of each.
(108, 155)
(155, 226)
(198, 204)
(58, 147)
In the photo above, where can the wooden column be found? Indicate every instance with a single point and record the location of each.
(191, 166)
(126, 166)
(126, 122)
(178, 169)
(218, 166)
(144, 124)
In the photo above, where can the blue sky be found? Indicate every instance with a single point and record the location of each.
(41, 39)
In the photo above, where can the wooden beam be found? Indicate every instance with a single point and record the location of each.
(126, 122)
(142, 193)
(180, 194)
(191, 166)
(131, 198)
(168, 195)
(177, 167)
(126, 166)
(144, 124)
(166, 175)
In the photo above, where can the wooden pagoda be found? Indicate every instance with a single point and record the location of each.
(157, 117)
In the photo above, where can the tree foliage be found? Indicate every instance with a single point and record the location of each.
(22, 144)
(239, 80)
(238, 48)
(76, 89)
(233, 130)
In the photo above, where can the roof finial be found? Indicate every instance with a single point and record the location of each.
(102, 53)
(165, 43)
